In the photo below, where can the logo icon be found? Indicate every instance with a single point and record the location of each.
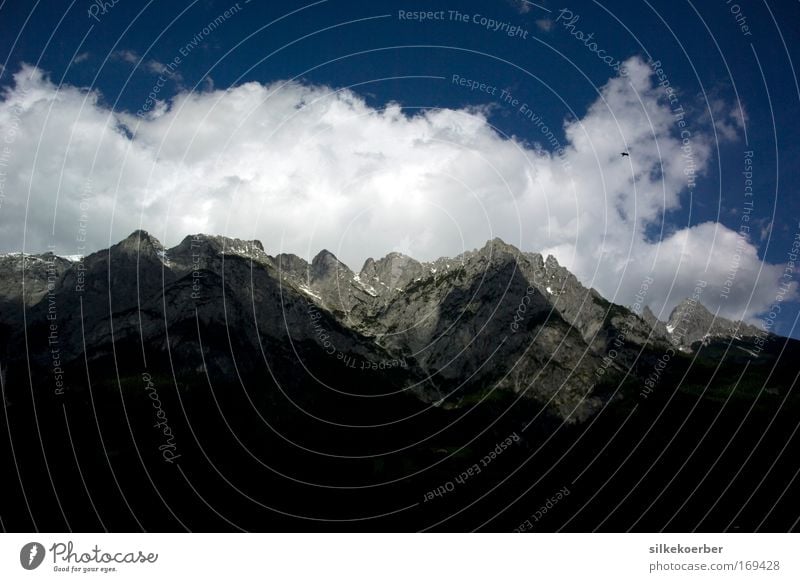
(31, 555)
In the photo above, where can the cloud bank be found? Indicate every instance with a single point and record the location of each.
(303, 168)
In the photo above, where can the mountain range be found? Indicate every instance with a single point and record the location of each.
(306, 367)
(494, 316)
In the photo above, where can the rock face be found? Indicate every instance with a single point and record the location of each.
(24, 278)
(451, 331)
(392, 273)
(691, 322)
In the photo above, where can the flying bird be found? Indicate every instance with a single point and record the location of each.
(623, 154)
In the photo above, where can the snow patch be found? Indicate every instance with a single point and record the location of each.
(308, 291)
(247, 251)
(368, 289)
(163, 256)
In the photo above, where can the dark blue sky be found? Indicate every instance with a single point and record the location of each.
(705, 50)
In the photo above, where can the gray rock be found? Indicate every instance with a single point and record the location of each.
(691, 322)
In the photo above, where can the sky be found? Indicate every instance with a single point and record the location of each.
(424, 128)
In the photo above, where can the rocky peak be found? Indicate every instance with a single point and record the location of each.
(391, 273)
(369, 265)
(325, 266)
(535, 259)
(559, 277)
(292, 266)
(690, 322)
(201, 251)
(204, 244)
(551, 263)
(139, 242)
(498, 245)
(689, 309)
(497, 250)
(555, 279)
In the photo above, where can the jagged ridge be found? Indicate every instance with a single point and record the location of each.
(490, 318)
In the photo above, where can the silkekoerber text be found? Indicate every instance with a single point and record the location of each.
(679, 549)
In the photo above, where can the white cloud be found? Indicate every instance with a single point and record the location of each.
(128, 56)
(729, 120)
(303, 168)
(81, 57)
(151, 66)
